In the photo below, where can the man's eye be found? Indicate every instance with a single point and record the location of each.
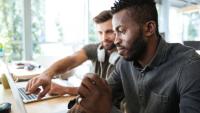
(100, 33)
(121, 31)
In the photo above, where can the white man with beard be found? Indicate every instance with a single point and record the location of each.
(154, 76)
(103, 56)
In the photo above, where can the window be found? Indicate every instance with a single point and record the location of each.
(11, 28)
(95, 7)
(59, 27)
(191, 26)
(54, 24)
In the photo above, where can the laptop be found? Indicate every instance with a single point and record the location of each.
(18, 95)
(21, 90)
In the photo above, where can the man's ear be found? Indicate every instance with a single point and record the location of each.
(149, 28)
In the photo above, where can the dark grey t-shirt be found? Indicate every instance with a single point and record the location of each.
(169, 84)
(91, 52)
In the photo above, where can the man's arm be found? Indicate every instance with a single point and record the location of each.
(67, 63)
(100, 96)
(57, 89)
(189, 88)
(58, 67)
(96, 96)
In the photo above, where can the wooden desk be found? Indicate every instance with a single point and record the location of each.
(55, 105)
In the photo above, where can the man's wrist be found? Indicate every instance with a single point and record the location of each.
(71, 90)
(49, 73)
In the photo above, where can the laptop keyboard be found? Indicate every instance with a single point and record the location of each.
(26, 97)
(32, 97)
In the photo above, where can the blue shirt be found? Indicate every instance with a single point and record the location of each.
(170, 83)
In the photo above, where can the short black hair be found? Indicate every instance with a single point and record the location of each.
(143, 10)
(103, 17)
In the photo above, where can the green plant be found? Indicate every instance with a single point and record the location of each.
(11, 27)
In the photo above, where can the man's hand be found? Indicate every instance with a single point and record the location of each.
(33, 85)
(56, 89)
(78, 109)
(96, 95)
(59, 90)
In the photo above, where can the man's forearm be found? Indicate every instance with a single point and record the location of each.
(59, 67)
(66, 63)
(71, 90)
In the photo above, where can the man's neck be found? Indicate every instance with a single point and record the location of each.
(150, 52)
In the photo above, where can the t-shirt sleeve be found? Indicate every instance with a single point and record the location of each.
(91, 51)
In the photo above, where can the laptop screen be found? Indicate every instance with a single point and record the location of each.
(14, 90)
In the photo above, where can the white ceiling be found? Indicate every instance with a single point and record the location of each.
(184, 3)
(181, 3)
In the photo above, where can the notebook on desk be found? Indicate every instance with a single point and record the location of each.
(19, 93)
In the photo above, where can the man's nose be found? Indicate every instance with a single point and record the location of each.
(105, 36)
(117, 40)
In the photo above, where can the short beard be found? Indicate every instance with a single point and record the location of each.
(111, 47)
(138, 49)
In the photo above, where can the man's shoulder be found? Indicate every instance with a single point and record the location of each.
(185, 57)
(93, 46)
(183, 52)
(91, 51)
